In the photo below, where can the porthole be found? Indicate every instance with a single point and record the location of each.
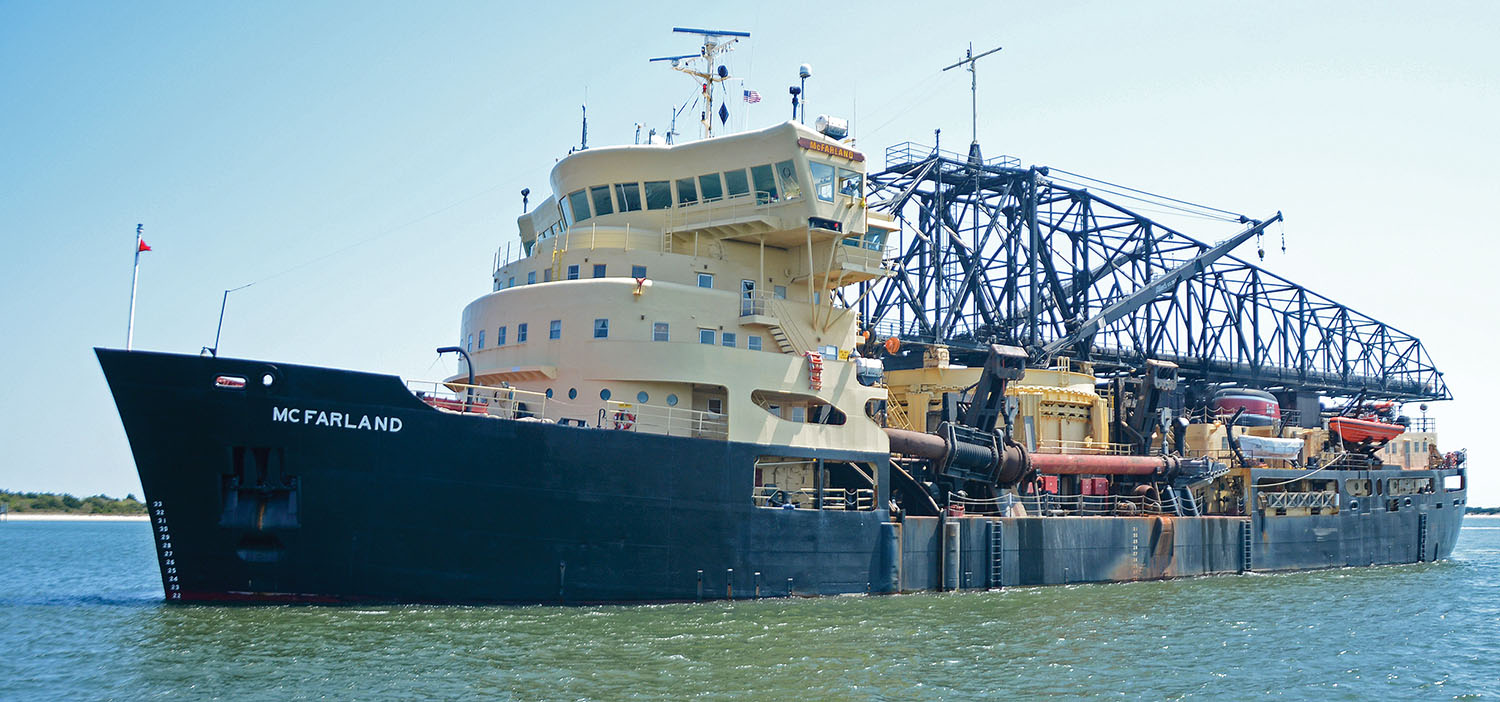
(1353, 505)
(604, 394)
(266, 380)
(642, 397)
(672, 400)
(1408, 502)
(549, 393)
(572, 393)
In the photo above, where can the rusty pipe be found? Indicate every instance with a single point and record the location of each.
(1008, 468)
(916, 443)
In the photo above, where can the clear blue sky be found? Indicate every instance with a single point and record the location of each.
(363, 161)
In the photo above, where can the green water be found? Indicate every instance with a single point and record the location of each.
(81, 618)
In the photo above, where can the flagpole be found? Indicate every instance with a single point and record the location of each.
(134, 278)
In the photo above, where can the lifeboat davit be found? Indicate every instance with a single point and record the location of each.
(1358, 431)
(1261, 407)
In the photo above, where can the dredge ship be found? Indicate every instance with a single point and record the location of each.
(742, 367)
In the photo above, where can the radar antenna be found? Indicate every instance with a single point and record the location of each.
(715, 42)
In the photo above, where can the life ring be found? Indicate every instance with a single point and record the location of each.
(624, 420)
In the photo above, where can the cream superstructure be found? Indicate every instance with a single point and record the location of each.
(694, 277)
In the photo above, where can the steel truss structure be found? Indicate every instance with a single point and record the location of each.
(990, 252)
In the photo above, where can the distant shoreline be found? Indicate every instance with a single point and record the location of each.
(54, 517)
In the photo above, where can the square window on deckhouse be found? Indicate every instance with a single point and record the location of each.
(500, 337)
(629, 196)
(786, 177)
(578, 203)
(637, 271)
(521, 333)
(658, 194)
(554, 329)
(707, 336)
(765, 184)
(601, 329)
(602, 205)
(706, 280)
(659, 332)
(598, 270)
(710, 187)
(531, 277)
(822, 177)
(687, 194)
(481, 339)
(729, 339)
(752, 343)
(736, 183)
(573, 272)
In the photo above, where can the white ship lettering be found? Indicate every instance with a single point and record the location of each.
(342, 420)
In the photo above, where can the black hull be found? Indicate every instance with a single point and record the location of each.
(397, 502)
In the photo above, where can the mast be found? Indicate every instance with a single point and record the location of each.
(712, 71)
(970, 59)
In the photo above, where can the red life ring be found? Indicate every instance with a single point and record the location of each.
(624, 420)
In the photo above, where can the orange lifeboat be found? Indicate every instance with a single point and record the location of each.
(1363, 430)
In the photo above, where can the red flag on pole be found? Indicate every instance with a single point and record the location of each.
(141, 245)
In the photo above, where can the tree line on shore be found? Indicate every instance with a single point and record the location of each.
(62, 503)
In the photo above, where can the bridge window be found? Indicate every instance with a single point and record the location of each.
(786, 176)
(658, 194)
(687, 193)
(822, 177)
(601, 200)
(578, 202)
(765, 184)
(736, 182)
(851, 183)
(710, 186)
(629, 196)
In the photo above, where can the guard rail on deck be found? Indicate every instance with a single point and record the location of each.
(668, 421)
(837, 499)
(908, 153)
(720, 211)
(1045, 505)
(525, 405)
(1298, 500)
(1088, 447)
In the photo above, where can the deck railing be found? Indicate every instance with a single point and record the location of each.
(835, 499)
(525, 405)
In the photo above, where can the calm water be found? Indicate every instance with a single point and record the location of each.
(81, 618)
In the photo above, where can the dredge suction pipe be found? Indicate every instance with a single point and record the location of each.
(1014, 462)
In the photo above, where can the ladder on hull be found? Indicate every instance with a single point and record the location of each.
(997, 555)
(1421, 538)
(1247, 546)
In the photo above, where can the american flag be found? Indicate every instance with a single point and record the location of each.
(752, 96)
